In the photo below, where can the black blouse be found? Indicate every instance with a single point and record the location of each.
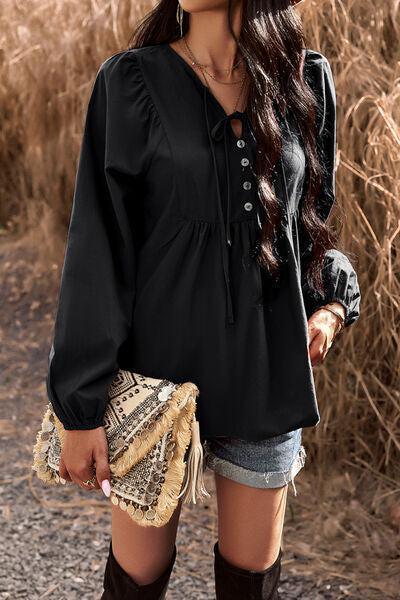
(159, 274)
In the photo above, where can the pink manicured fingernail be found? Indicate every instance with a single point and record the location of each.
(105, 486)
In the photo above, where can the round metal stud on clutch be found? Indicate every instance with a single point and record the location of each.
(48, 426)
(150, 514)
(139, 514)
(151, 489)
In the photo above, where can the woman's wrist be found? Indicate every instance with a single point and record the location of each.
(337, 309)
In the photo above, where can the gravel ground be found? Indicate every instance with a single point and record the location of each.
(60, 553)
(55, 540)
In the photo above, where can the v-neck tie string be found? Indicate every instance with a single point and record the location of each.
(216, 134)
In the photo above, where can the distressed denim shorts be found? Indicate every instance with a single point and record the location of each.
(269, 463)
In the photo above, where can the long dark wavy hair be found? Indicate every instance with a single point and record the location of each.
(271, 42)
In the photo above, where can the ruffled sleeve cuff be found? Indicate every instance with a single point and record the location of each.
(340, 285)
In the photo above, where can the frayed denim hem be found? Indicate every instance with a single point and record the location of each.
(272, 479)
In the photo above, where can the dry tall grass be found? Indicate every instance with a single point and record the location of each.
(360, 387)
(49, 52)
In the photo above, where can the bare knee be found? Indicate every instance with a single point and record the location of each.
(251, 561)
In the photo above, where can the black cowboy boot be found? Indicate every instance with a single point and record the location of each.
(234, 583)
(118, 585)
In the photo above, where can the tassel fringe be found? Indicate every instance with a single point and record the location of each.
(193, 488)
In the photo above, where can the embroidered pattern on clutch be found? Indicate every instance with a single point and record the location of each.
(149, 424)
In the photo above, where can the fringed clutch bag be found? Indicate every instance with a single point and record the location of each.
(149, 424)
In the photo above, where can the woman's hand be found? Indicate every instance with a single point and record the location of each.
(322, 328)
(84, 454)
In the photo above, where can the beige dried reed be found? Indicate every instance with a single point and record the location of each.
(359, 386)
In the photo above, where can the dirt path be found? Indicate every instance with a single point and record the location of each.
(55, 540)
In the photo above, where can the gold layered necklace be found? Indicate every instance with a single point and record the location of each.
(204, 68)
(205, 72)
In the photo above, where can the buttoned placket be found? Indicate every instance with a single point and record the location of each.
(245, 164)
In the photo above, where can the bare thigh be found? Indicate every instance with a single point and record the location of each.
(250, 523)
(143, 552)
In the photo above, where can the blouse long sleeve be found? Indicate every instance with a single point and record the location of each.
(97, 280)
(338, 275)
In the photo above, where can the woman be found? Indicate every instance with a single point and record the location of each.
(199, 250)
